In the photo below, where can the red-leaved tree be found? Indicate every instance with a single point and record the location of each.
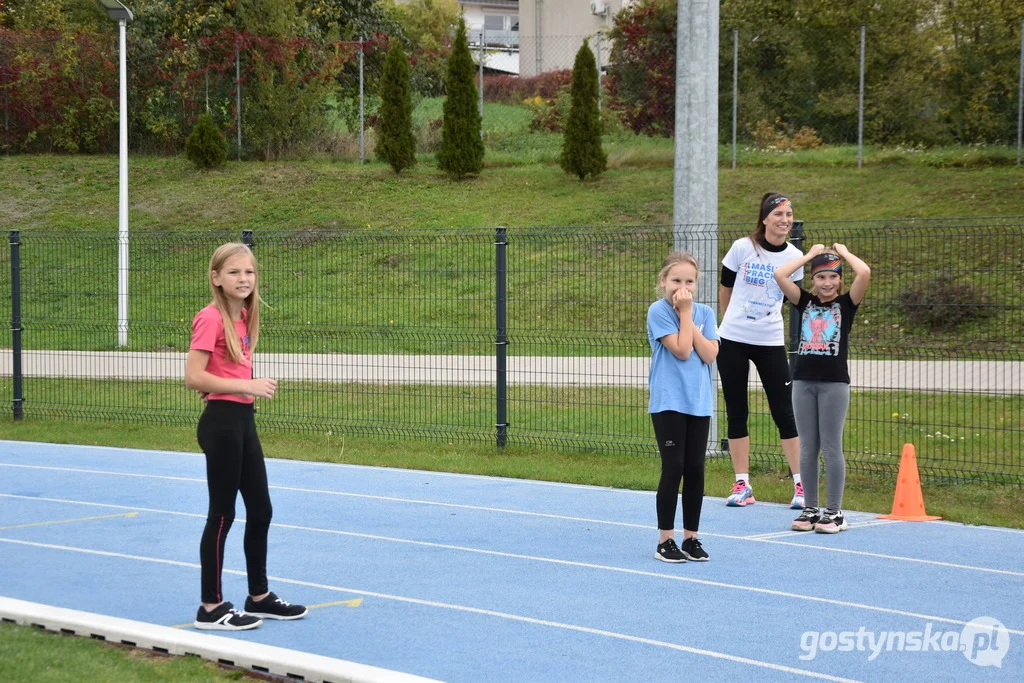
(641, 76)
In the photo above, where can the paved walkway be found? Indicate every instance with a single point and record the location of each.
(966, 376)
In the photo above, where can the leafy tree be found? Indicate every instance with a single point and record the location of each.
(284, 102)
(642, 72)
(396, 143)
(980, 77)
(349, 19)
(462, 151)
(195, 18)
(581, 144)
(799, 63)
(428, 26)
(206, 146)
(60, 78)
(825, 64)
(766, 49)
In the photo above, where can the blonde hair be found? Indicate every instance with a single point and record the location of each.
(251, 303)
(672, 260)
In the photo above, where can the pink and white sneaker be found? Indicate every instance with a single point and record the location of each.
(741, 496)
(798, 497)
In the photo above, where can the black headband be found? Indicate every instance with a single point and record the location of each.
(770, 205)
(826, 262)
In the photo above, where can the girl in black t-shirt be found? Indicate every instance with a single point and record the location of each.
(821, 378)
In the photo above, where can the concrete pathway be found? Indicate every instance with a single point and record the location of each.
(957, 375)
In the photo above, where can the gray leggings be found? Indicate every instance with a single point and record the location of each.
(820, 412)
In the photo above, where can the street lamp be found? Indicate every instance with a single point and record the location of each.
(122, 15)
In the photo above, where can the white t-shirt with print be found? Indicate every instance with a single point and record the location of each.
(754, 315)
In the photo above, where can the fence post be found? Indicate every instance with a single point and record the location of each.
(1020, 93)
(249, 241)
(735, 87)
(483, 34)
(796, 238)
(238, 101)
(6, 102)
(500, 335)
(362, 127)
(860, 103)
(16, 374)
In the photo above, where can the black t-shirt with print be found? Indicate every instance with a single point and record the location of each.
(824, 338)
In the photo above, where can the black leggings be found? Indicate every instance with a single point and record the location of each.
(234, 462)
(683, 443)
(773, 368)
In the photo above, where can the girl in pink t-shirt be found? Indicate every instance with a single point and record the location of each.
(219, 366)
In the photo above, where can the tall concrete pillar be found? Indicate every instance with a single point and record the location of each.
(695, 181)
(695, 186)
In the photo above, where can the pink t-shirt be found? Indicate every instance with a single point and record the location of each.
(208, 335)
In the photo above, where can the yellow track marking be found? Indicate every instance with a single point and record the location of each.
(354, 602)
(68, 521)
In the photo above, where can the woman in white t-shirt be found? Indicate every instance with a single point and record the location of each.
(750, 302)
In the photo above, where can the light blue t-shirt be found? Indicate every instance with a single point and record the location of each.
(680, 385)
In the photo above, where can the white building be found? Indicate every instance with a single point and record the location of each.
(495, 21)
(530, 37)
(551, 31)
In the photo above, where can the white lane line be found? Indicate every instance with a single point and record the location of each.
(509, 511)
(58, 447)
(367, 496)
(345, 494)
(516, 480)
(80, 470)
(790, 532)
(943, 522)
(568, 563)
(110, 505)
(865, 553)
(457, 608)
(63, 448)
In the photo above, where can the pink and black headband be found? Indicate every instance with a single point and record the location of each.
(773, 204)
(826, 263)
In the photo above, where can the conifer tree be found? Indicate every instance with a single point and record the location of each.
(396, 144)
(462, 151)
(206, 146)
(582, 154)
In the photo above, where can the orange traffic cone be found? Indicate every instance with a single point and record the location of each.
(908, 505)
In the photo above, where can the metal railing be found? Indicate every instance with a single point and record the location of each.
(517, 336)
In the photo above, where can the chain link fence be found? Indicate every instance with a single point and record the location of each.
(781, 90)
(519, 336)
(778, 92)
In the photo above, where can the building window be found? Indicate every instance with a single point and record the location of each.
(494, 22)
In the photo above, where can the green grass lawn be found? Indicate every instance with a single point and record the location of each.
(29, 654)
(951, 432)
(425, 233)
(509, 142)
(80, 193)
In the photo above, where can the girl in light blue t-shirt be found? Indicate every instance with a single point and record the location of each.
(684, 344)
